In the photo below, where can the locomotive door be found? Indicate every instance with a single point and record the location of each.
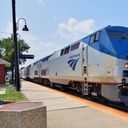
(85, 61)
(39, 69)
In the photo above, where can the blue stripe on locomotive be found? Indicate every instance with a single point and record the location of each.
(113, 47)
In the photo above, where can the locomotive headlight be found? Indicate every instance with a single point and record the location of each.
(126, 65)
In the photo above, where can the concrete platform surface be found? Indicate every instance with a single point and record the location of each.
(63, 112)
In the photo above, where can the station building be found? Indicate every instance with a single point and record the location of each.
(3, 65)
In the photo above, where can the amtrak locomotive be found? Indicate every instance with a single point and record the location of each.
(96, 65)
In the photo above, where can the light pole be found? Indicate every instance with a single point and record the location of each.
(16, 52)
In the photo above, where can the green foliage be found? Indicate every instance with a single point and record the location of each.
(7, 49)
(12, 95)
(8, 80)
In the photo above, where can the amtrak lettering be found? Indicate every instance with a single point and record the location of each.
(77, 55)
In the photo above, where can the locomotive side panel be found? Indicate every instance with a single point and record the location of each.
(34, 71)
(101, 67)
(64, 68)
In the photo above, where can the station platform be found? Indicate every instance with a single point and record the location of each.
(67, 111)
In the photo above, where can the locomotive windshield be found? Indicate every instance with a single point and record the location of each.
(117, 35)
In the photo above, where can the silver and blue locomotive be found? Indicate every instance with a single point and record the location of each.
(95, 65)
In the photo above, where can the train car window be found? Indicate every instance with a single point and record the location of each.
(36, 72)
(97, 35)
(62, 52)
(43, 72)
(66, 50)
(75, 46)
(117, 35)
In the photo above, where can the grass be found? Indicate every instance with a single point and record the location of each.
(12, 95)
(8, 80)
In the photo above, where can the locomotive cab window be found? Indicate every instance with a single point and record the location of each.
(92, 38)
(97, 35)
(75, 46)
(117, 35)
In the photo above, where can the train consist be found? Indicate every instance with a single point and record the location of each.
(96, 65)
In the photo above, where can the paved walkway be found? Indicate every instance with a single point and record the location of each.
(63, 112)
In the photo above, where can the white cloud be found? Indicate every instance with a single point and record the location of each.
(38, 48)
(7, 32)
(9, 27)
(54, 18)
(40, 1)
(74, 30)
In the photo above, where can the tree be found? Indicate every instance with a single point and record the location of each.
(1, 52)
(7, 49)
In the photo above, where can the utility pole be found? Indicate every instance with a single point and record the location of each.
(17, 78)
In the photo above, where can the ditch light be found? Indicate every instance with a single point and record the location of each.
(126, 65)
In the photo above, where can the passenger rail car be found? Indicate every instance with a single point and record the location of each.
(95, 65)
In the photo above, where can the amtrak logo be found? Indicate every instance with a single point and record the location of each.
(73, 62)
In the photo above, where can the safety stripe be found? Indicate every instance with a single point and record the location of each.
(100, 107)
(80, 80)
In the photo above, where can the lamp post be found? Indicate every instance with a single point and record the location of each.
(16, 52)
(25, 28)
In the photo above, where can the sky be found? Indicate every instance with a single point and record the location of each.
(54, 24)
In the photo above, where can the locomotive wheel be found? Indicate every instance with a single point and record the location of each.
(46, 82)
(102, 100)
(52, 85)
